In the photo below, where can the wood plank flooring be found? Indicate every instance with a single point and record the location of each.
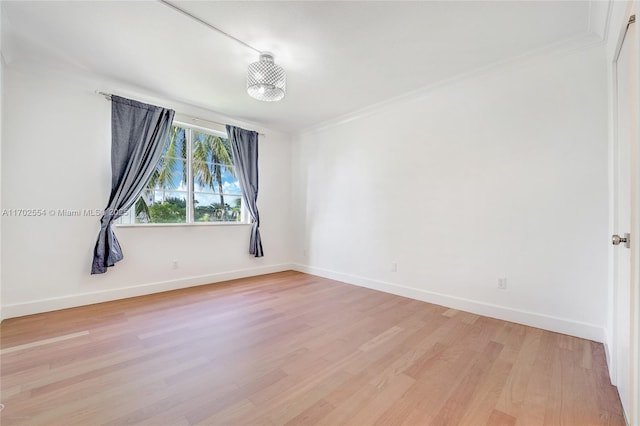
(294, 349)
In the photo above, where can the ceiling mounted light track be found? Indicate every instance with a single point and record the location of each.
(266, 81)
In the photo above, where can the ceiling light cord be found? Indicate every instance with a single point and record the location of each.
(195, 18)
(266, 81)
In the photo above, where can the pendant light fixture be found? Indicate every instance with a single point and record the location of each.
(266, 81)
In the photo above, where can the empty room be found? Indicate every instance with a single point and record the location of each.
(319, 213)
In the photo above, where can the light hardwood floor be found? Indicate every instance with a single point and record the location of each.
(291, 348)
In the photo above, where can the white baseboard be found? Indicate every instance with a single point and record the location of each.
(560, 325)
(71, 301)
(546, 322)
(611, 367)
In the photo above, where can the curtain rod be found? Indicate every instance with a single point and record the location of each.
(108, 97)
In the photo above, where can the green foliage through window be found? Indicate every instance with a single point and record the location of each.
(195, 181)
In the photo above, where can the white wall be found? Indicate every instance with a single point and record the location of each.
(503, 174)
(56, 155)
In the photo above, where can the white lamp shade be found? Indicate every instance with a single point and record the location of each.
(266, 81)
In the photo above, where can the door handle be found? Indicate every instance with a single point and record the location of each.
(617, 239)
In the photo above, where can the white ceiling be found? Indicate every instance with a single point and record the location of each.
(339, 56)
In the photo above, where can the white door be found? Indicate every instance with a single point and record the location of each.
(625, 224)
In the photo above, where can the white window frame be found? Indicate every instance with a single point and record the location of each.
(244, 215)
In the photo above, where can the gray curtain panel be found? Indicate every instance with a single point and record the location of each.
(139, 134)
(244, 148)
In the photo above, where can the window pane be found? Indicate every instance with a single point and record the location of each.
(177, 147)
(214, 146)
(212, 162)
(170, 174)
(217, 207)
(159, 206)
(215, 178)
(216, 193)
(230, 184)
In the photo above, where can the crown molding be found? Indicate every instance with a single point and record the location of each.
(587, 40)
(599, 18)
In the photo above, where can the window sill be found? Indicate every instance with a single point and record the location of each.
(177, 225)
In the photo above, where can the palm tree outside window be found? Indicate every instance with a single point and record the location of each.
(194, 182)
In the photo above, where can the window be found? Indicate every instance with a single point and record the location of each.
(194, 182)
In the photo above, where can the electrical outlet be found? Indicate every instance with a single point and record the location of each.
(175, 265)
(394, 266)
(502, 283)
